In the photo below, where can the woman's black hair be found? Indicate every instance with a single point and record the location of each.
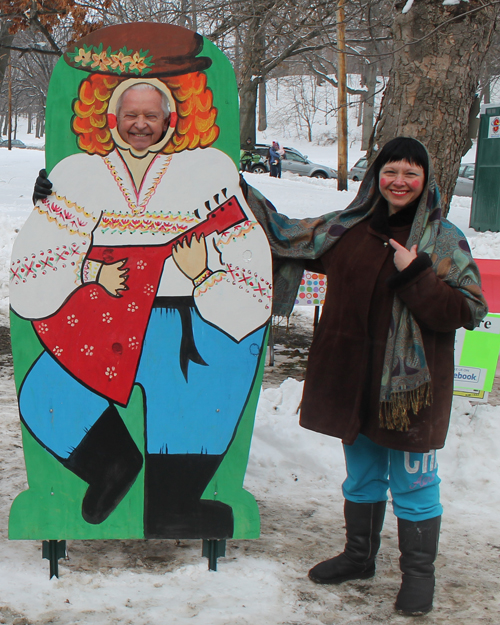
(402, 149)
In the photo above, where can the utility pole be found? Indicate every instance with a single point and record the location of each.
(342, 99)
(9, 144)
(370, 81)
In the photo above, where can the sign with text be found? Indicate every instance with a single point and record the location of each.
(476, 357)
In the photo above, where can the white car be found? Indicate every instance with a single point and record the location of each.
(358, 170)
(465, 180)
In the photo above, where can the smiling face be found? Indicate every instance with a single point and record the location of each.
(401, 183)
(141, 120)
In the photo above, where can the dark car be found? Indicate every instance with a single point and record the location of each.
(293, 161)
(15, 143)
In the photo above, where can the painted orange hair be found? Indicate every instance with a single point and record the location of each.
(195, 128)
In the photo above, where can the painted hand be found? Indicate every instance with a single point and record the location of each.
(113, 277)
(402, 256)
(191, 258)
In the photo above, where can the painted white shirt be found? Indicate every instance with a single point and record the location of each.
(95, 203)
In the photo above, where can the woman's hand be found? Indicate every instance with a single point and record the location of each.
(113, 277)
(191, 258)
(402, 256)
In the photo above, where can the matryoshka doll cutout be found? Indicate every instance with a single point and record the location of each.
(140, 298)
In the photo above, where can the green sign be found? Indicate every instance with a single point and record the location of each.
(476, 357)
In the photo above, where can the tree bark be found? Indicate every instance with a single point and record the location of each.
(248, 103)
(5, 40)
(433, 80)
(262, 106)
(250, 77)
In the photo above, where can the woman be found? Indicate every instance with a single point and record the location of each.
(274, 160)
(401, 280)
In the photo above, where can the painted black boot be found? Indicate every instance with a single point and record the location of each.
(418, 543)
(173, 507)
(109, 461)
(364, 523)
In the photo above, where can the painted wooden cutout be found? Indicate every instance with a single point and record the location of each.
(140, 298)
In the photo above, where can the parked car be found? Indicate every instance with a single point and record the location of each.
(358, 170)
(464, 185)
(294, 162)
(15, 143)
(259, 164)
(465, 180)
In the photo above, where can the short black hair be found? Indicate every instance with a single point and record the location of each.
(402, 149)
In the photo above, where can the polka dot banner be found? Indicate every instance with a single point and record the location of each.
(312, 289)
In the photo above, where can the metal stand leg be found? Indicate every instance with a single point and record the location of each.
(316, 317)
(52, 550)
(270, 344)
(213, 549)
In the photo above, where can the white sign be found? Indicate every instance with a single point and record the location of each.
(494, 128)
(470, 377)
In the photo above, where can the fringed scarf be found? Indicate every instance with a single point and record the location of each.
(406, 381)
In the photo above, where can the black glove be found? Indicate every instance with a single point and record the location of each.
(43, 186)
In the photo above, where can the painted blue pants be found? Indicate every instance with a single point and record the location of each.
(412, 478)
(197, 415)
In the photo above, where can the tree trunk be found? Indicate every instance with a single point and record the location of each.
(248, 104)
(432, 82)
(262, 106)
(5, 40)
(253, 48)
(486, 92)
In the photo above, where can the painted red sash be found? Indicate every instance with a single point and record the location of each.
(98, 337)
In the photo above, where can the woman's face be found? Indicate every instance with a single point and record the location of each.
(401, 184)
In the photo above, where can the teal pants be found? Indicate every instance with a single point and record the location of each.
(412, 478)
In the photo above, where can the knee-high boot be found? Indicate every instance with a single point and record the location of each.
(109, 461)
(418, 543)
(364, 523)
(173, 507)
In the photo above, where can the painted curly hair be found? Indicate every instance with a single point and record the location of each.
(195, 127)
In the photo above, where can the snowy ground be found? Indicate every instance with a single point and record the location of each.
(294, 474)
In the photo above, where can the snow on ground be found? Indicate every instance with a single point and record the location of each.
(294, 474)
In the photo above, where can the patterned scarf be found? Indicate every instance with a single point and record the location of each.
(406, 380)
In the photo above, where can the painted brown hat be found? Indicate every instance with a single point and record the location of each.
(139, 49)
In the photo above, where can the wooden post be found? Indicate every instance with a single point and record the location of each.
(342, 99)
(9, 134)
(371, 83)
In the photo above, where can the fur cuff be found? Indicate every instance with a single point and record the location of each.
(401, 278)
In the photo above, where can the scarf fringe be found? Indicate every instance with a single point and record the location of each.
(393, 414)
